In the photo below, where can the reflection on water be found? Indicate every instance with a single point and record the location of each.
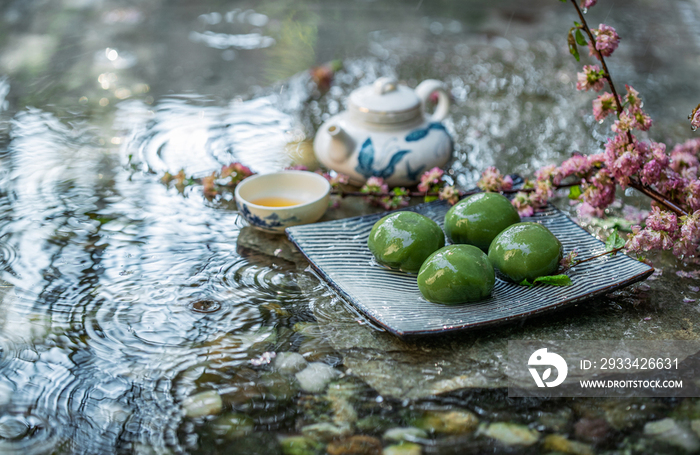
(192, 134)
(128, 310)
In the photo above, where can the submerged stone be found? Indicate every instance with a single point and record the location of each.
(290, 362)
(315, 377)
(404, 448)
(674, 433)
(558, 443)
(325, 431)
(299, 445)
(355, 445)
(374, 424)
(202, 404)
(405, 434)
(452, 422)
(510, 434)
(315, 349)
(594, 431)
(343, 411)
(233, 426)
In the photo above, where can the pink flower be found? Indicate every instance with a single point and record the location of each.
(430, 178)
(549, 173)
(690, 173)
(657, 150)
(236, 171)
(671, 183)
(647, 239)
(576, 165)
(623, 124)
(622, 158)
(375, 185)
(492, 181)
(603, 106)
(507, 184)
(662, 221)
(523, 204)
(606, 41)
(543, 192)
(590, 78)
(642, 121)
(596, 160)
(632, 98)
(687, 244)
(682, 158)
(651, 171)
(695, 118)
(691, 146)
(585, 4)
(398, 197)
(692, 194)
(335, 179)
(297, 167)
(568, 261)
(599, 190)
(449, 194)
(209, 185)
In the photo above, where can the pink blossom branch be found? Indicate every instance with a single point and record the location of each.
(461, 193)
(607, 76)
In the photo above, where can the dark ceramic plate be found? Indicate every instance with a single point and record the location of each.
(338, 251)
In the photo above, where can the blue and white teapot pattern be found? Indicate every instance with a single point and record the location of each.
(385, 133)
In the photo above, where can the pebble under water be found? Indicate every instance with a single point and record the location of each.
(137, 317)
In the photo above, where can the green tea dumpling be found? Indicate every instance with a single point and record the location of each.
(456, 274)
(403, 240)
(478, 219)
(525, 251)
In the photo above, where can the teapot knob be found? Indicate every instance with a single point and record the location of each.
(427, 88)
(384, 84)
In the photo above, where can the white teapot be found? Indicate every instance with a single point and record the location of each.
(386, 133)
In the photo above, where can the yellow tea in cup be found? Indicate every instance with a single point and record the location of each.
(276, 201)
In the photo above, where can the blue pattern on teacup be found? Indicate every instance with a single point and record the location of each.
(269, 222)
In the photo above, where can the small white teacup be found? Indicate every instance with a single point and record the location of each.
(273, 202)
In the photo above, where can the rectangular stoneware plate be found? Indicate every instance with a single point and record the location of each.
(338, 251)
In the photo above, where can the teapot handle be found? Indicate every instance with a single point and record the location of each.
(427, 88)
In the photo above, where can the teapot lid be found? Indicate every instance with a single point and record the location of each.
(385, 101)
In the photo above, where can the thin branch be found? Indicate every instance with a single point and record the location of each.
(614, 250)
(600, 57)
(658, 197)
(461, 193)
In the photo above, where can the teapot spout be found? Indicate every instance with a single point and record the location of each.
(341, 146)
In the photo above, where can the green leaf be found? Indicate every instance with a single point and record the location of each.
(575, 192)
(579, 38)
(526, 283)
(555, 280)
(577, 24)
(430, 198)
(614, 241)
(572, 46)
